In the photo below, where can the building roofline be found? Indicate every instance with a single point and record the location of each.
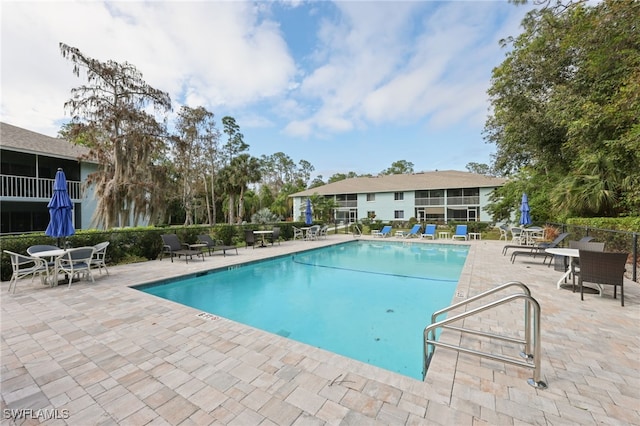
(445, 179)
(18, 139)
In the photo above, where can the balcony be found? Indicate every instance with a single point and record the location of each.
(350, 203)
(463, 201)
(433, 201)
(30, 187)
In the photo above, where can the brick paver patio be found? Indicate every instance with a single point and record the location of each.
(104, 354)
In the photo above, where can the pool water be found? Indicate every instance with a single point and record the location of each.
(366, 300)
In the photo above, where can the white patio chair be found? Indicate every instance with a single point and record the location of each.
(298, 233)
(75, 261)
(99, 254)
(23, 266)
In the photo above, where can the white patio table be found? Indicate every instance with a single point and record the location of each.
(262, 233)
(52, 255)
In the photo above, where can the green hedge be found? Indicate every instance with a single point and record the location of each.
(129, 245)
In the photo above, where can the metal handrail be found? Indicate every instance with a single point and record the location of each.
(532, 351)
(527, 318)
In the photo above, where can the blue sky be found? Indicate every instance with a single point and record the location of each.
(347, 86)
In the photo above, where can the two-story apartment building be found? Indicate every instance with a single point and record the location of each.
(29, 162)
(437, 196)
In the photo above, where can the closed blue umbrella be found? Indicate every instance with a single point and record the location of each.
(60, 209)
(308, 219)
(525, 216)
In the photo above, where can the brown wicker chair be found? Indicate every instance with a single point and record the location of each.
(575, 263)
(249, 238)
(602, 269)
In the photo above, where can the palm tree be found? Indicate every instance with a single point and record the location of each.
(246, 170)
(594, 189)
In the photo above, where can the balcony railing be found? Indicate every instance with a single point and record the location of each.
(452, 201)
(31, 187)
(353, 203)
(460, 201)
(433, 201)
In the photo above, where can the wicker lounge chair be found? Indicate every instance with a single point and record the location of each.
(538, 249)
(212, 245)
(173, 247)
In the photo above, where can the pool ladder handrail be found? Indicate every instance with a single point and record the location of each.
(532, 348)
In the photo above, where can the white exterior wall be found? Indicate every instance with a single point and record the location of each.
(484, 200)
(298, 212)
(385, 206)
(89, 202)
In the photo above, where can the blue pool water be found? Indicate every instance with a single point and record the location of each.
(365, 300)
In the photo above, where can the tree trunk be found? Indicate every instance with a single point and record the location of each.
(232, 209)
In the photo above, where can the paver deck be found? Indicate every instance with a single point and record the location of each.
(104, 353)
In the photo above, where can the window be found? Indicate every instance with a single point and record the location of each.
(398, 214)
(371, 197)
(398, 196)
(371, 214)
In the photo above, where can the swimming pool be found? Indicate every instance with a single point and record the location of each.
(366, 300)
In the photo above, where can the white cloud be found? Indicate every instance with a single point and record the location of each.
(369, 71)
(216, 53)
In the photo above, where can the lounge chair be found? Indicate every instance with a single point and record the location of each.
(429, 232)
(539, 248)
(173, 247)
(413, 232)
(75, 261)
(383, 233)
(461, 232)
(23, 266)
(99, 257)
(212, 246)
(538, 245)
(603, 269)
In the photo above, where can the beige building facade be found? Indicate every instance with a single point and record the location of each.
(437, 196)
